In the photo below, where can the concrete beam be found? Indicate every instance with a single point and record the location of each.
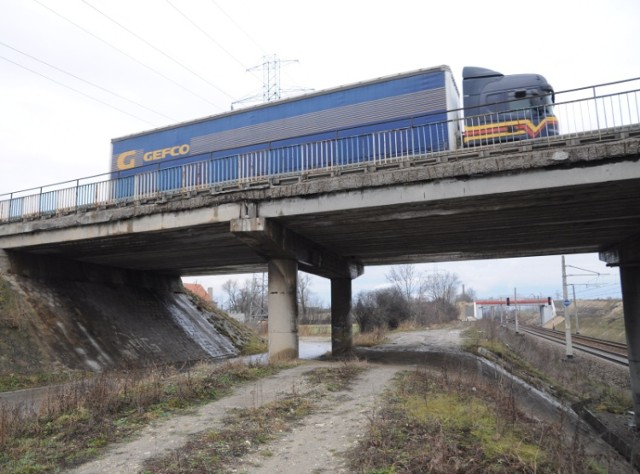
(109, 223)
(383, 190)
(273, 241)
(626, 253)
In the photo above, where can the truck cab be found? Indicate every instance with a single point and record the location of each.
(505, 108)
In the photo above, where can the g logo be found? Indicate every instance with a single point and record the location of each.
(126, 160)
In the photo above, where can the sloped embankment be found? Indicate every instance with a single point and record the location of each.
(105, 319)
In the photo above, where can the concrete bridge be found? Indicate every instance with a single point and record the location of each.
(571, 194)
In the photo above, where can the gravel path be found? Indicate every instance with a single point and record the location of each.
(315, 445)
(309, 448)
(164, 435)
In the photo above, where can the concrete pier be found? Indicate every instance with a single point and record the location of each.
(626, 256)
(630, 283)
(341, 330)
(283, 309)
(4, 262)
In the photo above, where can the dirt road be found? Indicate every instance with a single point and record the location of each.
(313, 446)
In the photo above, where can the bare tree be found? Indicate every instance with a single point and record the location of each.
(304, 294)
(367, 313)
(232, 291)
(385, 307)
(405, 279)
(248, 299)
(441, 286)
(441, 289)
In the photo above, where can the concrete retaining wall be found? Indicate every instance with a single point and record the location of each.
(91, 317)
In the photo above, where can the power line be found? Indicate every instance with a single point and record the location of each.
(127, 55)
(77, 91)
(235, 23)
(238, 26)
(134, 34)
(86, 81)
(199, 28)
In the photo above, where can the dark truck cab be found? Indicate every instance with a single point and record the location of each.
(504, 108)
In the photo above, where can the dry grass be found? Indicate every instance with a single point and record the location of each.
(336, 378)
(370, 339)
(246, 430)
(74, 423)
(314, 330)
(442, 422)
(583, 380)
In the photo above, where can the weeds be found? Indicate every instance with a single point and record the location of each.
(74, 422)
(15, 381)
(335, 379)
(372, 338)
(442, 422)
(246, 430)
(243, 431)
(600, 386)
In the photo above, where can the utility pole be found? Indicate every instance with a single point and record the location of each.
(567, 320)
(575, 309)
(573, 286)
(515, 302)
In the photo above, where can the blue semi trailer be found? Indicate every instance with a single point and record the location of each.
(410, 113)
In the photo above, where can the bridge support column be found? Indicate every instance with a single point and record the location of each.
(283, 309)
(341, 328)
(627, 256)
(5, 265)
(630, 283)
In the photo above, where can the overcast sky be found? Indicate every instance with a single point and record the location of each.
(77, 73)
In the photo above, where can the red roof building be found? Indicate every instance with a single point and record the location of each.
(199, 290)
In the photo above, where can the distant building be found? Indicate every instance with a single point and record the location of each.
(199, 290)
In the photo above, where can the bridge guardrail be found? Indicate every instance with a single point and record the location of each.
(592, 112)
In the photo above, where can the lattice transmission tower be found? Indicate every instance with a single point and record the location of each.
(271, 89)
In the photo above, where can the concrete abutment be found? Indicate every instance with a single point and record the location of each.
(98, 318)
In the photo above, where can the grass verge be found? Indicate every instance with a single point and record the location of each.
(16, 381)
(442, 423)
(583, 380)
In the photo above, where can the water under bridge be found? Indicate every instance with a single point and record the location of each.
(574, 193)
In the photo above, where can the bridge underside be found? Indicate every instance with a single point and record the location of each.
(575, 219)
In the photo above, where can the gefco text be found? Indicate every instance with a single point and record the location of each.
(127, 160)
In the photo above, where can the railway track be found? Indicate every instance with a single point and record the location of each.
(615, 352)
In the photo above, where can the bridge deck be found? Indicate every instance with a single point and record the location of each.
(507, 203)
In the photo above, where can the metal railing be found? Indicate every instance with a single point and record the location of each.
(595, 112)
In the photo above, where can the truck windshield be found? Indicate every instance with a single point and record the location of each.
(540, 101)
